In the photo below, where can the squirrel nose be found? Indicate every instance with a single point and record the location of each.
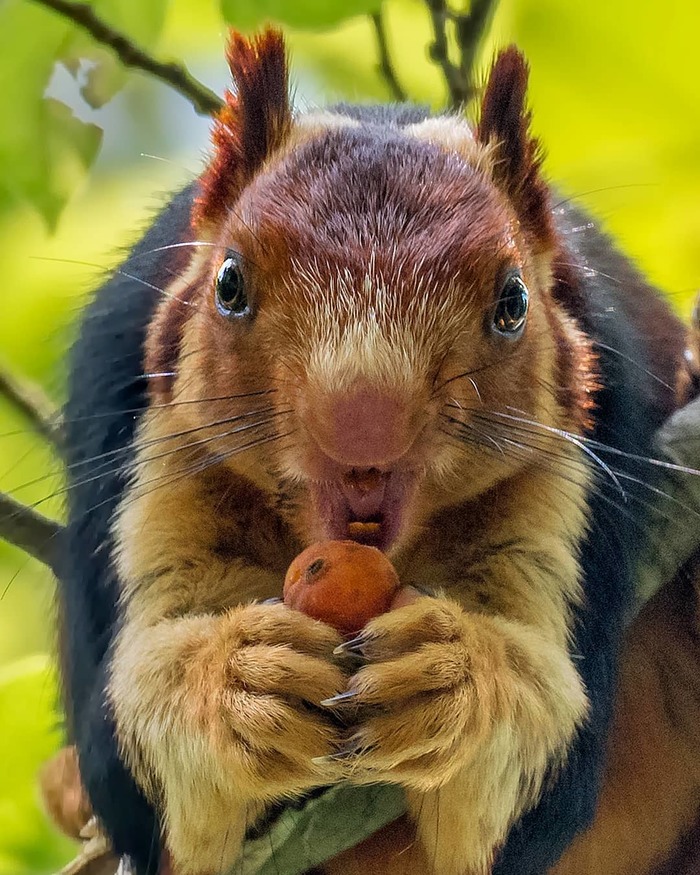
(364, 428)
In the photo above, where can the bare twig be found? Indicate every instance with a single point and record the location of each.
(439, 52)
(385, 65)
(32, 402)
(176, 76)
(469, 31)
(20, 525)
(30, 531)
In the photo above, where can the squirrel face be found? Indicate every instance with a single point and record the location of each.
(383, 296)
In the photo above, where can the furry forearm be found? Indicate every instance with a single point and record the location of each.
(529, 701)
(221, 690)
(164, 683)
(483, 696)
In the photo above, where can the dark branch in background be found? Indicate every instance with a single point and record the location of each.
(439, 52)
(469, 29)
(32, 532)
(176, 76)
(385, 65)
(32, 403)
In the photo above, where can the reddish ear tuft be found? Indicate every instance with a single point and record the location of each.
(252, 124)
(505, 124)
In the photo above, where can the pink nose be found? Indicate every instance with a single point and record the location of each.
(365, 429)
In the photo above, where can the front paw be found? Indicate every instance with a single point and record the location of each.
(415, 706)
(254, 731)
(217, 715)
(277, 668)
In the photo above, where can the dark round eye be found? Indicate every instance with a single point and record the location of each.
(511, 309)
(231, 297)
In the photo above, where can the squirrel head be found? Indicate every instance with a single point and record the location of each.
(376, 295)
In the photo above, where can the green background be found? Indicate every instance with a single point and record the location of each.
(616, 100)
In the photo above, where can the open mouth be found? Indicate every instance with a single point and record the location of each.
(366, 505)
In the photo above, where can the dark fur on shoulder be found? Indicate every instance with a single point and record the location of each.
(107, 396)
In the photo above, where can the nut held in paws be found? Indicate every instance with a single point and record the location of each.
(342, 583)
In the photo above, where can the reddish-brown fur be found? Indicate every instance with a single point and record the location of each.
(252, 123)
(648, 815)
(325, 317)
(287, 237)
(163, 345)
(518, 160)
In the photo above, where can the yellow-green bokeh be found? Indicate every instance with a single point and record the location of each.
(616, 100)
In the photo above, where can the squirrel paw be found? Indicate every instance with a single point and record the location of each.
(413, 705)
(242, 725)
(277, 669)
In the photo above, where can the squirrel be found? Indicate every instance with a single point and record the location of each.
(381, 324)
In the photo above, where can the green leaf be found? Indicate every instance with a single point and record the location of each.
(72, 147)
(24, 75)
(306, 14)
(63, 127)
(141, 22)
(326, 825)
(42, 146)
(105, 77)
(29, 735)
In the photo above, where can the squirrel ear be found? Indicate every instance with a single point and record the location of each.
(504, 126)
(253, 122)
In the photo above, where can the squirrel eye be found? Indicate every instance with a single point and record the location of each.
(511, 309)
(231, 297)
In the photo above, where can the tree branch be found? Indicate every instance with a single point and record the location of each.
(30, 531)
(469, 31)
(32, 402)
(439, 52)
(20, 525)
(204, 101)
(385, 65)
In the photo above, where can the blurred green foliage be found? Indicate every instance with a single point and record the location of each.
(30, 732)
(616, 100)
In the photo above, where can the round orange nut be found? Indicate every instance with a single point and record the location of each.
(342, 583)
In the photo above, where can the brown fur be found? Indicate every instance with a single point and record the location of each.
(392, 850)
(163, 349)
(686, 860)
(651, 794)
(62, 792)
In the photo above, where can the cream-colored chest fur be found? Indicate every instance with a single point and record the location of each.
(218, 702)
